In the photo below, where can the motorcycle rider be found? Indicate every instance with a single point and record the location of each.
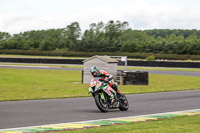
(105, 77)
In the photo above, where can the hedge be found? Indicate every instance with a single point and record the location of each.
(89, 54)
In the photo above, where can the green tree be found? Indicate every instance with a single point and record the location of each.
(104, 37)
(4, 37)
(192, 45)
(113, 31)
(134, 40)
(72, 35)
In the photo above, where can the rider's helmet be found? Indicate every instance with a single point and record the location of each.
(94, 71)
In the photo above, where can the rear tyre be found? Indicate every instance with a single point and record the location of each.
(123, 103)
(101, 104)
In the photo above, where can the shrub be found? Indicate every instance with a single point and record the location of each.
(89, 54)
(150, 58)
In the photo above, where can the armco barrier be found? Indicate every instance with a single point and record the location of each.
(164, 64)
(80, 62)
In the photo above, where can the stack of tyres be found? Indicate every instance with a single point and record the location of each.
(136, 78)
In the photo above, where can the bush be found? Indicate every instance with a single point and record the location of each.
(150, 58)
(89, 54)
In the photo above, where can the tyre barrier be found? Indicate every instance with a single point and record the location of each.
(132, 78)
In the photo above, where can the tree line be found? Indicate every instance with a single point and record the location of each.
(113, 36)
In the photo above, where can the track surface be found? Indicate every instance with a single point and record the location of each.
(41, 112)
(184, 73)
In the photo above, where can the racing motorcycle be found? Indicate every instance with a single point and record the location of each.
(103, 100)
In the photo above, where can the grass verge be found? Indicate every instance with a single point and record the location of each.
(25, 84)
(185, 124)
(161, 69)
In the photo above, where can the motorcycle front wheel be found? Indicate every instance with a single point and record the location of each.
(101, 103)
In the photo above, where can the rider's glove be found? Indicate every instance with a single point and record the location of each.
(110, 78)
(107, 79)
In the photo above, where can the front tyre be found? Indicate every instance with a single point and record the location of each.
(123, 103)
(101, 104)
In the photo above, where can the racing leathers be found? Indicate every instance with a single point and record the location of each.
(108, 78)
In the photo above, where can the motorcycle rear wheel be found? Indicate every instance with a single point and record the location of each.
(103, 107)
(123, 103)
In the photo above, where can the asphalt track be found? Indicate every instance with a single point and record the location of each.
(41, 112)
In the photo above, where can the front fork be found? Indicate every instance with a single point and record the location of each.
(102, 96)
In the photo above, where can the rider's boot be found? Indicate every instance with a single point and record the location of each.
(114, 86)
(112, 100)
(114, 103)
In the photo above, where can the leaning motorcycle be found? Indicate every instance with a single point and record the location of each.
(103, 100)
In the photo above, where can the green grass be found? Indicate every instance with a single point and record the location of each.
(23, 84)
(161, 69)
(186, 124)
(163, 83)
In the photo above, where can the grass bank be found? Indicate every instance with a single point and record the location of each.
(25, 84)
(162, 69)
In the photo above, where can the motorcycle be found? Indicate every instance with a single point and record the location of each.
(103, 100)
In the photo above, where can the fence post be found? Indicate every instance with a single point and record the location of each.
(121, 77)
(82, 76)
